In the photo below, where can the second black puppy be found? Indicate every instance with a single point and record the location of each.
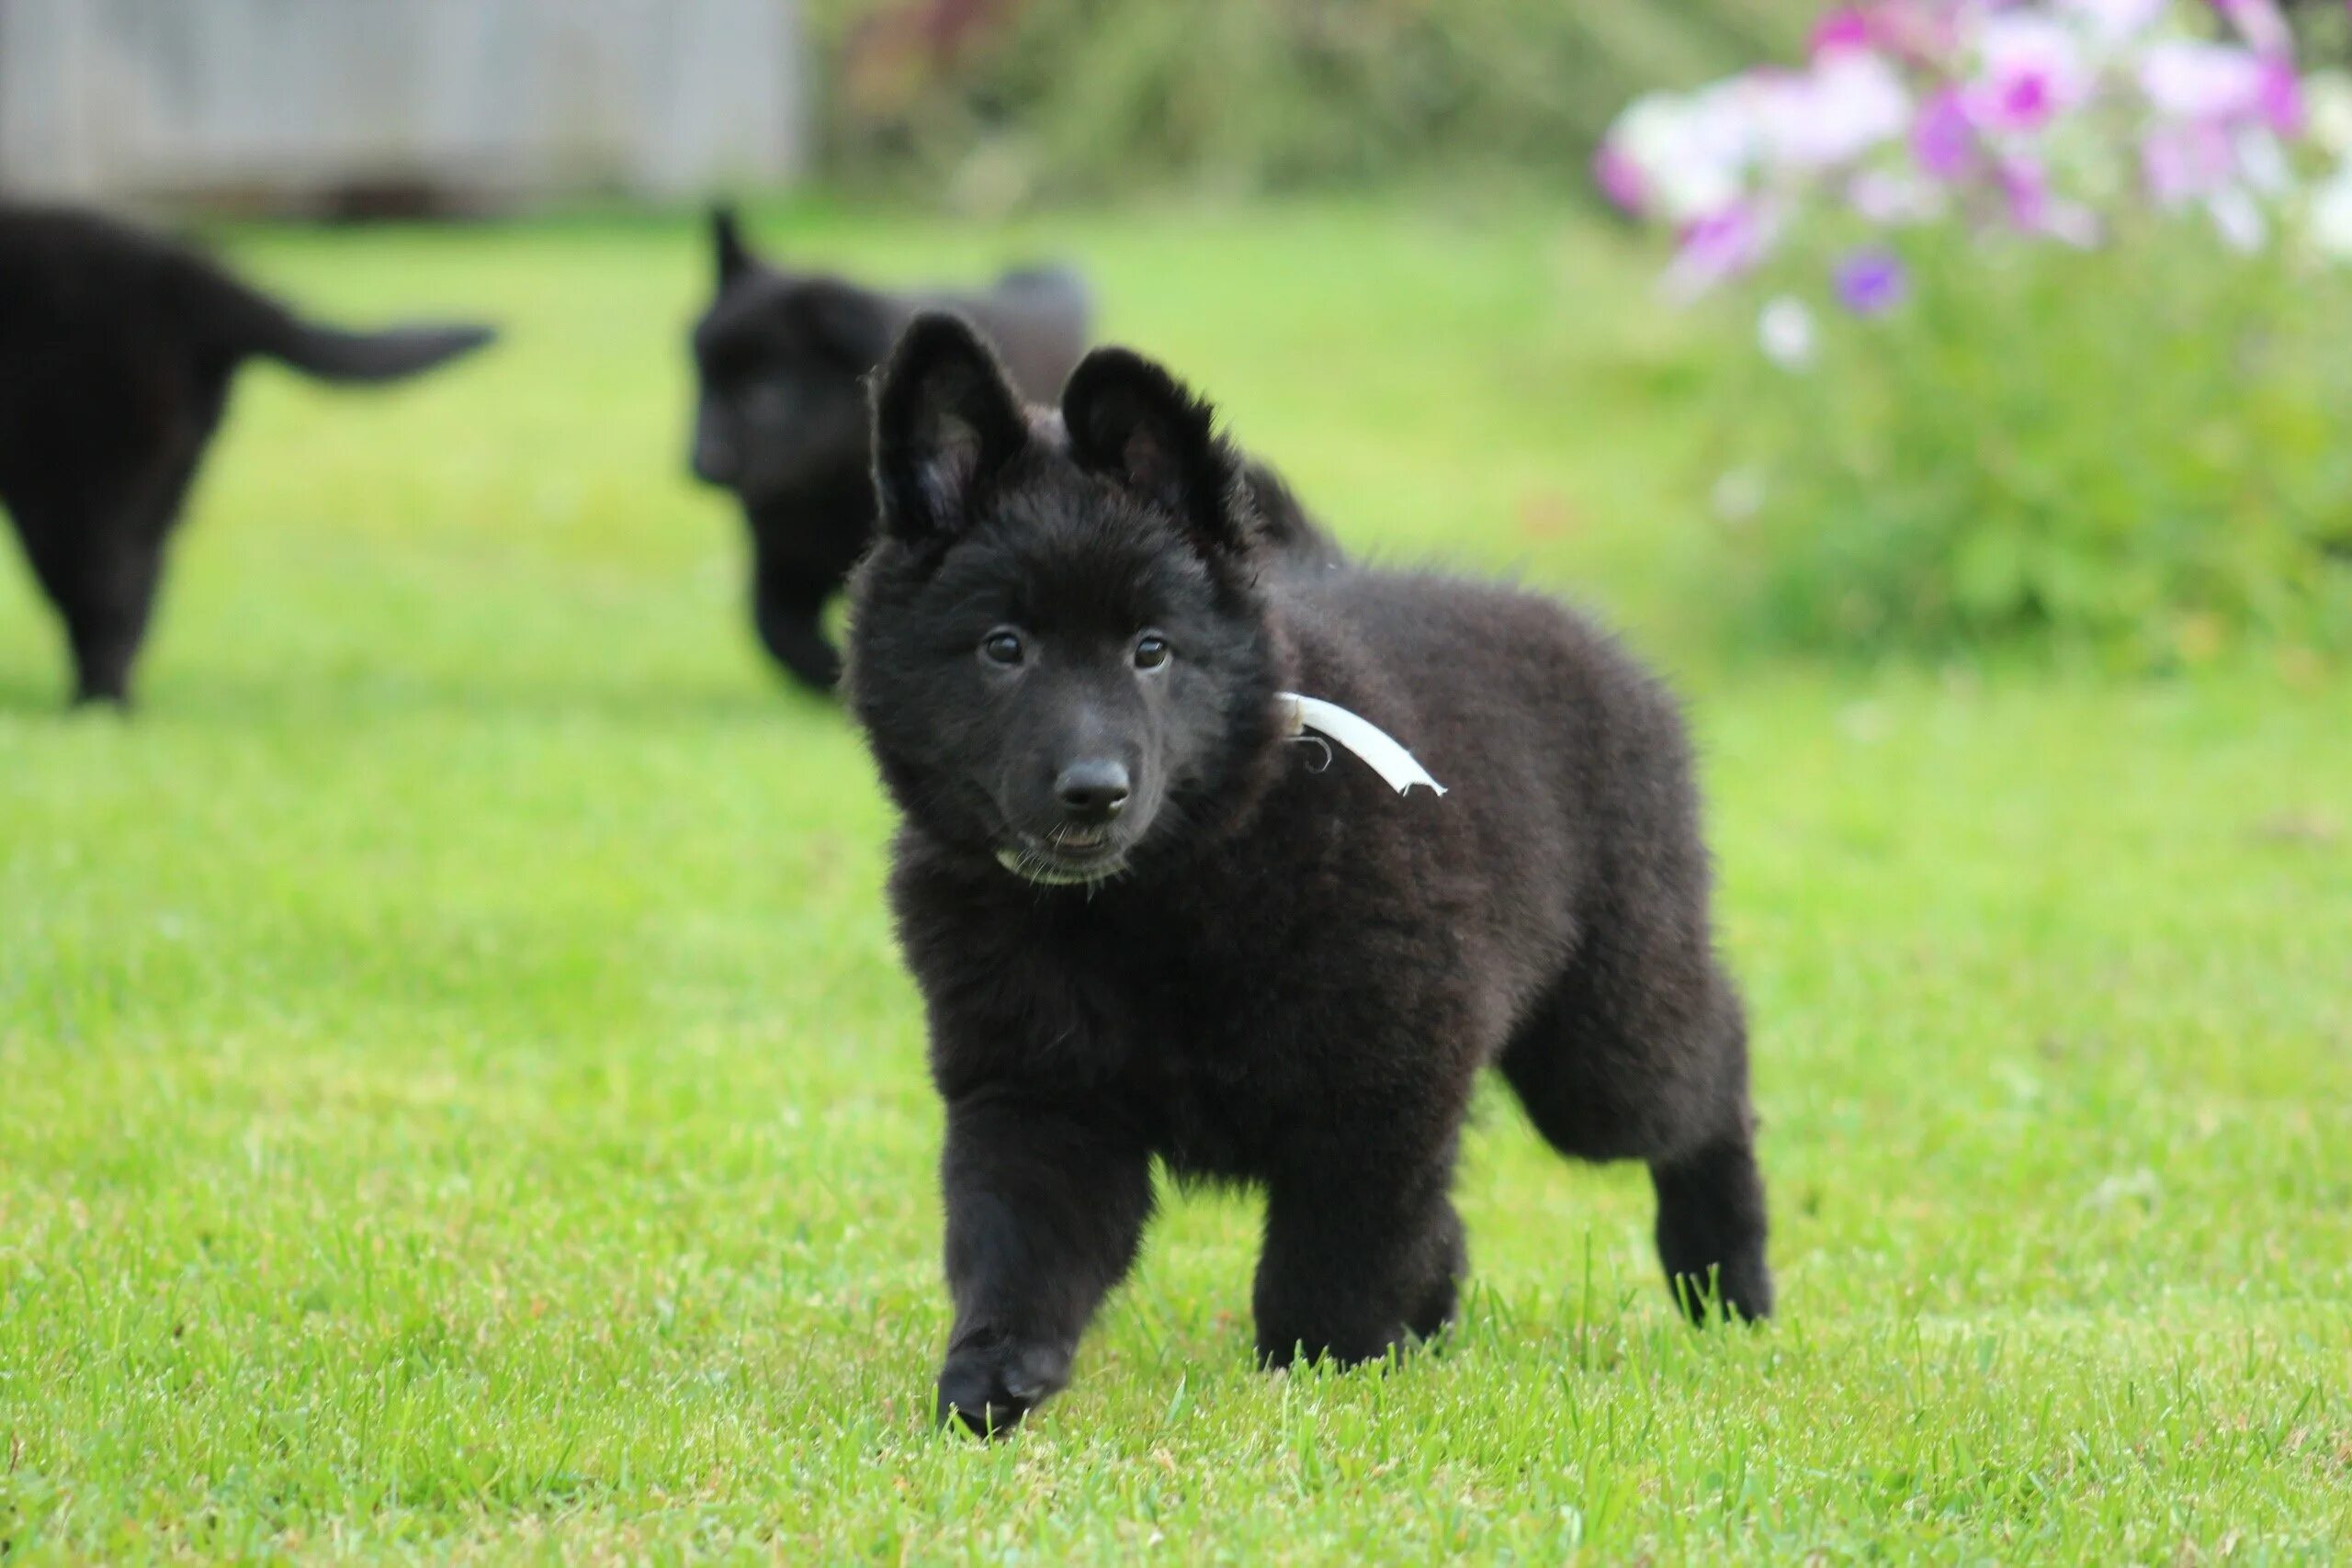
(1146, 923)
(118, 350)
(781, 419)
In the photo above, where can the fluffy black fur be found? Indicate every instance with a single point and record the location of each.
(117, 349)
(781, 419)
(1148, 924)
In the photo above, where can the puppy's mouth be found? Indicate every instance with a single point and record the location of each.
(1069, 856)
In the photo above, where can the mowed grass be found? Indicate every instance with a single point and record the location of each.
(458, 1098)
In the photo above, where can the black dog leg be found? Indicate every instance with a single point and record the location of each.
(1711, 1228)
(1044, 1208)
(788, 610)
(1357, 1261)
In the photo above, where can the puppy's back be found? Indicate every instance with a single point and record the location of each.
(1565, 761)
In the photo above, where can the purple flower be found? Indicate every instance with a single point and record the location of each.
(1871, 282)
(1942, 140)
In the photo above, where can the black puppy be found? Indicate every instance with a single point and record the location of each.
(116, 353)
(783, 359)
(1146, 923)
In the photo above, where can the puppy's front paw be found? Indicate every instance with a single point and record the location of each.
(990, 1388)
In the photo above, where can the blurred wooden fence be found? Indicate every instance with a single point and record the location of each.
(460, 102)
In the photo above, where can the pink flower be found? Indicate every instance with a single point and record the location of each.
(1620, 178)
(1848, 26)
(2033, 72)
(1719, 246)
(1919, 32)
(1943, 138)
(2280, 99)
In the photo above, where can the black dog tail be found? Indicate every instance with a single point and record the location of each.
(333, 355)
(247, 321)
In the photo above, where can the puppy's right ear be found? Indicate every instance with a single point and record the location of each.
(945, 419)
(726, 244)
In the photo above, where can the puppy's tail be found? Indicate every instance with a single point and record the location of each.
(396, 353)
(249, 322)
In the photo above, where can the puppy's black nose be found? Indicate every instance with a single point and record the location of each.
(1093, 791)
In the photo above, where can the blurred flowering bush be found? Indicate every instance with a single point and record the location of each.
(2052, 300)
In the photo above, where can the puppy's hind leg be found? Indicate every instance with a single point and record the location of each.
(107, 612)
(1711, 1228)
(1658, 1073)
(101, 558)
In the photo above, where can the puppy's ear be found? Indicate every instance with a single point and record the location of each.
(1132, 420)
(945, 419)
(727, 245)
(848, 325)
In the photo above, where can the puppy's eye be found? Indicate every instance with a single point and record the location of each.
(1152, 651)
(1001, 648)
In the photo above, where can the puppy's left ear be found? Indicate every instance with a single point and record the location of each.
(945, 421)
(1132, 420)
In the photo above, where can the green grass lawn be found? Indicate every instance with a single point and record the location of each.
(458, 1098)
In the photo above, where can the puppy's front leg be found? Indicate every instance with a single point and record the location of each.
(1044, 1208)
(1360, 1255)
(788, 610)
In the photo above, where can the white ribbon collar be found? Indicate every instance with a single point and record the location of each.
(1375, 746)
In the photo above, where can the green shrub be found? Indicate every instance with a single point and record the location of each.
(1094, 98)
(2138, 451)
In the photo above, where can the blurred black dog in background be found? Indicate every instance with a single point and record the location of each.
(780, 421)
(116, 353)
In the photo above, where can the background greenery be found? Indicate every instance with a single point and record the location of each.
(1006, 102)
(457, 1097)
(2131, 455)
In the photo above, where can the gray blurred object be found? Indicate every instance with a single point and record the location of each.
(397, 105)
